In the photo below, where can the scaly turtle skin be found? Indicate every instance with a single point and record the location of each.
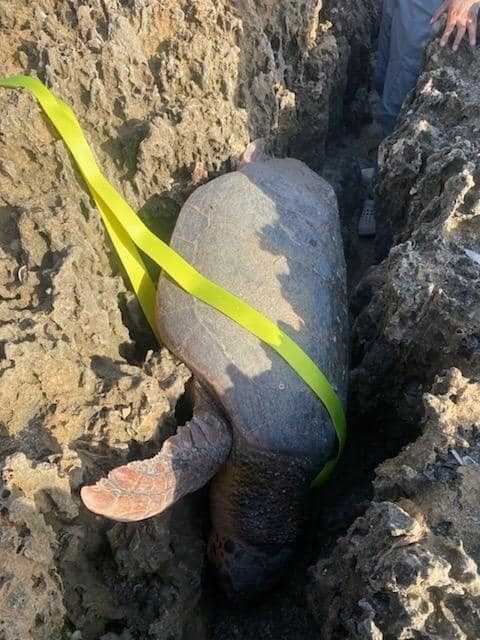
(270, 234)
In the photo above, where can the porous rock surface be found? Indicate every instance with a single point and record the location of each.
(169, 94)
(409, 567)
(418, 311)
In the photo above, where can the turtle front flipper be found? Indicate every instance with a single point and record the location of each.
(186, 462)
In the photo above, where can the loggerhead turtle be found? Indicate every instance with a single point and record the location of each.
(270, 234)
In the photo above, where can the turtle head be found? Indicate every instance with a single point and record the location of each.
(259, 505)
(243, 570)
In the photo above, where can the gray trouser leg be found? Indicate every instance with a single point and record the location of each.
(383, 53)
(404, 35)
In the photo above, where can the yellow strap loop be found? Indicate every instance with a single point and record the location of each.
(128, 234)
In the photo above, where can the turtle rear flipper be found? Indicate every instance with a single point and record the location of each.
(145, 488)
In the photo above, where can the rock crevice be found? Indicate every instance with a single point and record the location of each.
(408, 568)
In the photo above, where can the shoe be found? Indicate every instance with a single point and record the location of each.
(366, 223)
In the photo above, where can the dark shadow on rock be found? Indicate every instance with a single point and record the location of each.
(111, 371)
(123, 150)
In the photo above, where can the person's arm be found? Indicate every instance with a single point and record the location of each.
(462, 16)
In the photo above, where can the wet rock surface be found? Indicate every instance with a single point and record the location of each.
(408, 567)
(169, 94)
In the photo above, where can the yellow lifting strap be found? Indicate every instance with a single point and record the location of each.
(129, 234)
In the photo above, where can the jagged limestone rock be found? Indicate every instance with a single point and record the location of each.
(31, 602)
(417, 312)
(409, 568)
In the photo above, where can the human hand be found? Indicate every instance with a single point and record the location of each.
(462, 16)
